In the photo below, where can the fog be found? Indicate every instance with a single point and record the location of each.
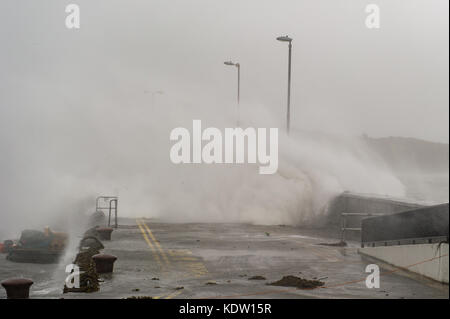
(78, 117)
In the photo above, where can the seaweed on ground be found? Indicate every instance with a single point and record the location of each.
(89, 279)
(338, 244)
(299, 283)
(257, 278)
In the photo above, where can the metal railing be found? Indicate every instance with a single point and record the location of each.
(406, 241)
(111, 208)
(344, 227)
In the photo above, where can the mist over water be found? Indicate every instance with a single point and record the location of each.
(81, 152)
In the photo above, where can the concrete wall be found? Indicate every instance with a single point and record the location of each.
(421, 259)
(425, 222)
(360, 203)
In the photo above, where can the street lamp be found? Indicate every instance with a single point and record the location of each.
(153, 96)
(288, 115)
(229, 63)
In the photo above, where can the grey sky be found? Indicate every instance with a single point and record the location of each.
(346, 78)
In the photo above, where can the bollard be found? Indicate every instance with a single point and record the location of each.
(17, 288)
(104, 263)
(104, 233)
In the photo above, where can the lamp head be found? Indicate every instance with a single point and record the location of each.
(284, 39)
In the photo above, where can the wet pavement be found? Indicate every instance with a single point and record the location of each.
(168, 260)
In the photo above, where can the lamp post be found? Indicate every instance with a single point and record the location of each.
(229, 63)
(288, 113)
(153, 96)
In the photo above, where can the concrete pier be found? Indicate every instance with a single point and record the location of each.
(199, 260)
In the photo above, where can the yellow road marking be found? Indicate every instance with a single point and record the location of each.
(149, 243)
(156, 243)
(168, 296)
(173, 294)
(195, 266)
(180, 252)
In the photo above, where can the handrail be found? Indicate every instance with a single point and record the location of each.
(111, 208)
(115, 212)
(344, 227)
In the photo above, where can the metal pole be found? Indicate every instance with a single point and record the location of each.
(239, 83)
(109, 215)
(153, 97)
(230, 63)
(288, 115)
(238, 92)
(115, 211)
